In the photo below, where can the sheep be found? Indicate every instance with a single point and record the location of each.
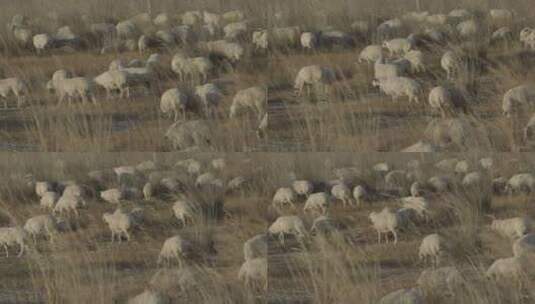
(323, 225)
(149, 297)
(450, 62)
(389, 28)
(112, 196)
(148, 191)
(431, 247)
(119, 223)
(303, 187)
(73, 189)
(189, 134)
(309, 41)
(284, 196)
(440, 183)
(42, 187)
(416, 189)
(386, 221)
(191, 18)
(524, 246)
(124, 172)
(210, 97)
(254, 273)
(460, 14)
(518, 99)
(289, 224)
(43, 42)
(235, 30)
(512, 228)
(383, 69)
(417, 60)
(444, 280)
(253, 99)
(314, 75)
(403, 296)
(126, 30)
(523, 182)
(317, 202)
(72, 87)
(13, 86)
(174, 247)
(211, 18)
(529, 130)
(468, 28)
(233, 16)
(486, 163)
(255, 247)
(192, 67)
(41, 225)
(359, 194)
(400, 86)
(507, 268)
(114, 80)
(174, 101)
(260, 40)
(10, 236)
(462, 167)
(360, 27)
(333, 38)
(262, 126)
(49, 199)
(527, 37)
(398, 46)
(184, 210)
(501, 16)
(371, 54)
(418, 204)
(67, 203)
(208, 179)
(236, 183)
(343, 193)
(472, 179)
(23, 36)
(503, 34)
(446, 100)
(284, 36)
(231, 51)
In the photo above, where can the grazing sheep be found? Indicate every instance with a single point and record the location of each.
(309, 41)
(289, 224)
(254, 273)
(403, 296)
(112, 196)
(120, 222)
(41, 225)
(253, 99)
(440, 183)
(208, 179)
(314, 75)
(210, 97)
(468, 29)
(284, 196)
(10, 236)
(42, 187)
(317, 202)
(323, 225)
(235, 30)
(68, 203)
(400, 86)
(260, 39)
(114, 80)
(450, 62)
(458, 134)
(472, 179)
(512, 228)
(518, 99)
(149, 297)
(431, 247)
(359, 194)
(417, 60)
(174, 101)
(507, 268)
(65, 86)
(447, 100)
(398, 46)
(383, 69)
(418, 204)
(371, 54)
(49, 199)
(523, 182)
(342, 192)
(184, 211)
(336, 38)
(389, 28)
(441, 281)
(284, 36)
(255, 247)
(13, 86)
(360, 27)
(231, 51)
(386, 221)
(189, 134)
(42, 42)
(303, 187)
(174, 248)
(198, 67)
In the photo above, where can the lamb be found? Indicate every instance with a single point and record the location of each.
(512, 228)
(451, 63)
(314, 75)
(255, 247)
(114, 80)
(446, 100)
(371, 53)
(303, 187)
(210, 97)
(417, 60)
(149, 297)
(13, 86)
(343, 193)
(400, 86)
(235, 30)
(198, 67)
(507, 268)
(383, 69)
(184, 211)
(317, 202)
(309, 40)
(174, 101)
(398, 46)
(43, 42)
(444, 280)
(68, 203)
(289, 224)
(359, 194)
(49, 199)
(120, 222)
(174, 248)
(403, 296)
(431, 247)
(284, 196)
(254, 273)
(418, 204)
(253, 99)
(41, 225)
(523, 182)
(518, 99)
(189, 134)
(10, 236)
(386, 221)
(112, 196)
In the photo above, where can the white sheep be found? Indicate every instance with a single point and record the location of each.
(260, 39)
(42, 42)
(72, 87)
(235, 30)
(527, 37)
(523, 182)
(386, 221)
(468, 29)
(432, 246)
(512, 228)
(501, 16)
(403, 296)
(184, 210)
(507, 268)
(255, 247)
(112, 196)
(197, 67)
(262, 126)
(126, 30)
(360, 194)
(174, 102)
(191, 134)
(319, 77)
(343, 193)
(419, 204)
(303, 187)
(371, 54)
(472, 179)
(417, 60)
(174, 247)
(114, 80)
(289, 224)
(210, 97)
(42, 187)
(120, 222)
(254, 273)
(446, 100)
(13, 86)
(450, 62)
(386, 69)
(323, 225)
(231, 51)
(233, 16)
(284, 36)
(149, 297)
(448, 164)
(416, 189)
(398, 46)
(524, 246)
(253, 99)
(389, 28)
(148, 191)
(10, 236)
(309, 41)
(518, 99)
(49, 199)
(441, 281)
(284, 196)
(41, 225)
(208, 179)
(68, 203)
(400, 86)
(317, 202)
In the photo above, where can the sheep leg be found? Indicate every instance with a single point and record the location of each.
(112, 236)
(127, 236)
(378, 237)
(395, 236)
(281, 238)
(21, 250)
(7, 252)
